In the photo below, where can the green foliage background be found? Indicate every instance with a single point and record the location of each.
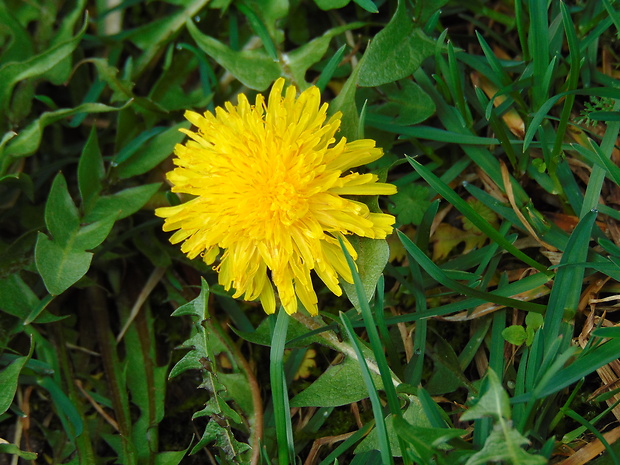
(499, 120)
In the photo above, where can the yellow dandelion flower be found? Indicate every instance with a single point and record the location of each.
(267, 182)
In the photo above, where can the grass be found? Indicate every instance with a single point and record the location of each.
(489, 334)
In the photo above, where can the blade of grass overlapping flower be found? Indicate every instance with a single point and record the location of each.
(568, 282)
(373, 335)
(462, 206)
(279, 391)
(380, 426)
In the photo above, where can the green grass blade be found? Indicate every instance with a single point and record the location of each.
(539, 46)
(439, 275)
(462, 206)
(330, 68)
(279, 391)
(384, 443)
(575, 416)
(566, 289)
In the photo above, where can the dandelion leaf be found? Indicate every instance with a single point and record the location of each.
(410, 203)
(396, 51)
(224, 441)
(414, 415)
(254, 68)
(12, 449)
(339, 385)
(406, 102)
(62, 259)
(373, 255)
(505, 445)
(493, 403)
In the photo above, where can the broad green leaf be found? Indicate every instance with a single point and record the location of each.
(302, 58)
(406, 102)
(61, 71)
(90, 170)
(153, 153)
(8, 380)
(426, 442)
(61, 215)
(60, 267)
(339, 385)
(331, 4)
(414, 415)
(367, 5)
(63, 260)
(121, 204)
(20, 47)
(13, 72)
(253, 68)
(153, 37)
(122, 88)
(447, 374)
(271, 11)
(372, 256)
(410, 203)
(132, 146)
(12, 449)
(505, 444)
(296, 331)
(170, 457)
(396, 51)
(345, 103)
(514, 334)
(28, 140)
(20, 301)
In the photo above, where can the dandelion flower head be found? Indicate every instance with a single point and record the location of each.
(267, 183)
